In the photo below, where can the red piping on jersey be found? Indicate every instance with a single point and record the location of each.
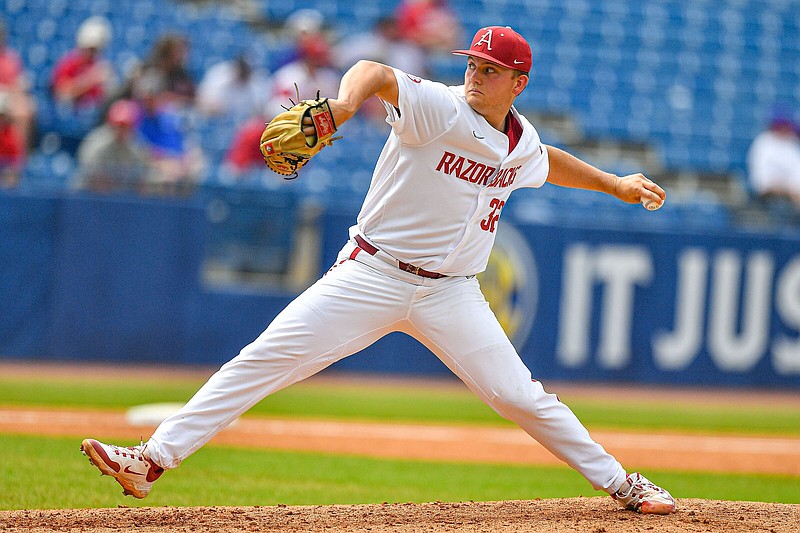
(513, 131)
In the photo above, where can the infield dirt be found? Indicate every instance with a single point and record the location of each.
(585, 515)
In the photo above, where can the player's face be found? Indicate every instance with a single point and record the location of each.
(490, 89)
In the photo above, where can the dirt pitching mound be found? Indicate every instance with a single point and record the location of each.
(590, 515)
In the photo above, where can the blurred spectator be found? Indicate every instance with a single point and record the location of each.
(13, 81)
(12, 153)
(176, 162)
(10, 63)
(430, 24)
(111, 157)
(773, 161)
(167, 64)
(300, 24)
(82, 78)
(382, 44)
(80, 83)
(233, 89)
(313, 71)
(243, 154)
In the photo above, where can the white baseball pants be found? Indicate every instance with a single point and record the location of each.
(356, 303)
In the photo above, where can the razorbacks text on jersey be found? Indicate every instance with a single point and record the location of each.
(442, 180)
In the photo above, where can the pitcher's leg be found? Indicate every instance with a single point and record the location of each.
(341, 314)
(458, 326)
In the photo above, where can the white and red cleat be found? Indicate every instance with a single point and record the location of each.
(129, 466)
(639, 494)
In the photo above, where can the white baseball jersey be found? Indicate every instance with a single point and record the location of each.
(443, 178)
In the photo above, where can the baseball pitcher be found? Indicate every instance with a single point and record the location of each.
(426, 228)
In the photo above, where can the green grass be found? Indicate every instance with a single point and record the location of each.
(451, 405)
(50, 473)
(736, 419)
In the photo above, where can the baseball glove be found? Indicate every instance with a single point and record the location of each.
(287, 142)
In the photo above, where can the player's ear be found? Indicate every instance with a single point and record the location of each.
(520, 83)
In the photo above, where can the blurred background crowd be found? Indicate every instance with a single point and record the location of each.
(163, 97)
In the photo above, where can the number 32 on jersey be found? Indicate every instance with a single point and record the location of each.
(490, 223)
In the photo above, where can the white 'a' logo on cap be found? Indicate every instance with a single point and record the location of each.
(485, 38)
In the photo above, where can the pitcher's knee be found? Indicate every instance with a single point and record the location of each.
(513, 401)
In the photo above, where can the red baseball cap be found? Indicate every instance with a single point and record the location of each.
(501, 45)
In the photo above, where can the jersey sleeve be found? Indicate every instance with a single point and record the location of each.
(426, 109)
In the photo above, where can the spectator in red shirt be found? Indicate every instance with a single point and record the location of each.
(430, 24)
(243, 153)
(82, 77)
(12, 153)
(13, 81)
(10, 64)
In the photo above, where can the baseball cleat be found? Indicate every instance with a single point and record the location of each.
(129, 466)
(639, 494)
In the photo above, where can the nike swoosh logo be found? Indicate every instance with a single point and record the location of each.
(516, 62)
(129, 471)
(475, 134)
